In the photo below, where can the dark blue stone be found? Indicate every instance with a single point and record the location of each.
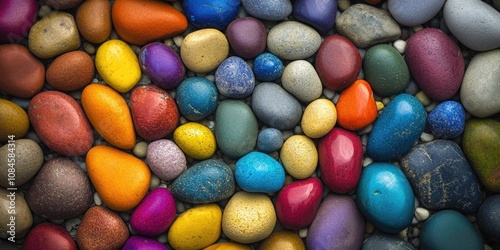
(319, 14)
(380, 241)
(447, 120)
(211, 13)
(234, 78)
(259, 172)
(488, 217)
(267, 67)
(196, 98)
(272, 10)
(270, 139)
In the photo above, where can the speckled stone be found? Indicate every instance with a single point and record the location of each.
(196, 98)
(28, 160)
(23, 214)
(301, 80)
(320, 14)
(165, 159)
(488, 217)
(234, 78)
(292, 40)
(203, 50)
(385, 241)
(447, 120)
(412, 13)
(269, 139)
(267, 67)
(272, 10)
(245, 46)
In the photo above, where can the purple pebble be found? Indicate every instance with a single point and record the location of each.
(162, 64)
(320, 14)
(138, 242)
(244, 45)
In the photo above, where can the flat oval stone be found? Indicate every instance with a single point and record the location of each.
(162, 65)
(259, 172)
(195, 140)
(60, 190)
(155, 214)
(319, 117)
(197, 98)
(292, 40)
(481, 143)
(70, 71)
(15, 121)
(16, 19)
(165, 159)
(269, 140)
(447, 119)
(356, 107)
(275, 107)
(441, 176)
(283, 239)
(301, 80)
(93, 19)
(338, 62)
(211, 13)
(435, 62)
(236, 129)
(397, 128)
(23, 217)
(478, 91)
(340, 160)
(385, 241)
(204, 182)
(49, 236)
(28, 160)
(318, 14)
(299, 156)
(243, 45)
(234, 78)
(298, 202)
(412, 13)
(267, 67)
(23, 74)
(385, 70)
(140, 242)
(203, 50)
(54, 34)
(337, 223)
(70, 136)
(487, 217)
(268, 10)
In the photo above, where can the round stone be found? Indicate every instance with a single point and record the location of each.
(162, 65)
(301, 80)
(243, 45)
(155, 214)
(203, 50)
(269, 140)
(411, 13)
(70, 71)
(356, 108)
(259, 172)
(195, 140)
(49, 236)
(234, 78)
(283, 239)
(267, 67)
(165, 159)
(15, 121)
(292, 40)
(319, 14)
(447, 119)
(299, 156)
(268, 10)
(23, 215)
(385, 241)
(197, 98)
(16, 19)
(319, 118)
(211, 13)
(28, 160)
(93, 19)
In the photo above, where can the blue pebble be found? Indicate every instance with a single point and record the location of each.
(272, 10)
(320, 14)
(488, 217)
(259, 172)
(270, 139)
(211, 13)
(267, 67)
(196, 98)
(234, 78)
(447, 120)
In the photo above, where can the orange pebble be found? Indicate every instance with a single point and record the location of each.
(356, 107)
(109, 114)
(120, 179)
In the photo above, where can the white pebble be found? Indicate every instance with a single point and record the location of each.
(169, 42)
(400, 46)
(404, 234)
(97, 199)
(426, 137)
(367, 161)
(417, 28)
(178, 40)
(328, 93)
(182, 120)
(421, 214)
(210, 78)
(303, 233)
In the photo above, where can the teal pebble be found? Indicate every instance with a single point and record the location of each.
(259, 172)
(270, 139)
(267, 67)
(196, 98)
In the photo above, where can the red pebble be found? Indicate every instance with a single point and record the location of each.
(49, 236)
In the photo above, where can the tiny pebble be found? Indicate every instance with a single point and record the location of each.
(178, 41)
(404, 234)
(140, 149)
(380, 105)
(155, 182)
(328, 93)
(89, 48)
(415, 232)
(303, 233)
(415, 242)
(421, 214)
(162, 238)
(366, 130)
(423, 98)
(367, 161)
(417, 28)
(369, 228)
(472, 218)
(412, 88)
(97, 199)
(487, 247)
(426, 137)
(430, 107)
(386, 100)
(400, 46)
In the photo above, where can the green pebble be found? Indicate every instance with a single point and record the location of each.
(140, 149)
(423, 98)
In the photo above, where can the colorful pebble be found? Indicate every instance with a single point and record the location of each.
(196, 98)
(23, 215)
(155, 214)
(268, 10)
(447, 120)
(301, 80)
(356, 107)
(203, 50)
(211, 13)
(292, 40)
(234, 78)
(29, 159)
(319, 14)
(319, 117)
(15, 121)
(93, 19)
(140, 242)
(269, 139)
(165, 159)
(259, 172)
(283, 239)
(16, 19)
(162, 65)
(48, 235)
(70, 71)
(299, 156)
(245, 46)
(267, 67)
(195, 140)
(487, 217)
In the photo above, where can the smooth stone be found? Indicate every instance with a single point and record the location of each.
(121, 189)
(101, 228)
(236, 129)
(449, 229)
(153, 123)
(60, 190)
(283, 239)
(243, 45)
(49, 236)
(267, 67)
(165, 159)
(141, 22)
(478, 91)
(385, 241)
(488, 217)
(338, 62)
(204, 182)
(259, 172)
(93, 19)
(211, 13)
(204, 50)
(23, 74)
(195, 140)
(386, 70)
(23, 218)
(366, 25)
(53, 35)
(248, 217)
(28, 160)
(71, 135)
(139, 242)
(473, 23)
(447, 119)
(340, 160)
(441, 176)
(299, 156)
(269, 140)
(298, 202)
(162, 65)
(319, 117)
(337, 225)
(481, 144)
(62, 4)
(16, 19)
(196, 228)
(412, 13)
(234, 78)
(15, 121)
(275, 107)
(397, 128)
(273, 10)
(197, 98)
(301, 80)
(320, 14)
(292, 40)
(356, 107)
(155, 214)
(70, 71)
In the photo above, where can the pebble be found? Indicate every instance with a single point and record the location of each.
(487, 217)
(385, 197)
(236, 129)
(155, 214)
(70, 71)
(301, 80)
(162, 65)
(196, 228)
(204, 182)
(338, 224)
(165, 159)
(211, 13)
(28, 160)
(366, 25)
(93, 19)
(298, 202)
(71, 135)
(141, 22)
(23, 74)
(283, 239)
(109, 114)
(449, 229)
(259, 172)
(441, 176)
(118, 65)
(243, 45)
(60, 190)
(274, 10)
(473, 23)
(48, 235)
(275, 107)
(318, 14)
(269, 140)
(153, 123)
(421, 214)
(292, 40)
(385, 241)
(197, 98)
(397, 128)
(101, 228)
(319, 117)
(54, 34)
(16, 19)
(195, 140)
(447, 119)
(61, 4)
(234, 78)
(15, 121)
(248, 217)
(478, 90)
(356, 108)
(121, 189)
(299, 156)
(139, 242)
(435, 62)
(267, 67)
(23, 217)
(228, 246)
(481, 144)
(411, 13)
(203, 50)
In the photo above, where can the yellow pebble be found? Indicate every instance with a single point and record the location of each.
(380, 105)
(227, 246)
(299, 156)
(203, 50)
(319, 118)
(283, 240)
(195, 140)
(423, 98)
(14, 120)
(196, 228)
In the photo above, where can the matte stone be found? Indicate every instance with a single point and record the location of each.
(49, 236)
(488, 217)
(292, 40)
(245, 46)
(23, 216)
(320, 14)
(412, 13)
(273, 10)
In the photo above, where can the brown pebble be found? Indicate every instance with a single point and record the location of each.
(70, 71)
(93, 19)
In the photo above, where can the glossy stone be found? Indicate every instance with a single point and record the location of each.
(356, 107)
(165, 159)
(412, 13)
(16, 19)
(268, 10)
(385, 241)
(267, 67)
(269, 139)
(488, 217)
(49, 236)
(283, 239)
(259, 172)
(93, 19)
(15, 121)
(234, 78)
(301, 80)
(299, 156)
(447, 119)
(319, 117)
(243, 45)
(23, 218)
(70, 71)
(28, 160)
(203, 50)
(196, 98)
(211, 13)
(155, 214)
(139, 242)
(292, 40)
(162, 65)
(319, 14)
